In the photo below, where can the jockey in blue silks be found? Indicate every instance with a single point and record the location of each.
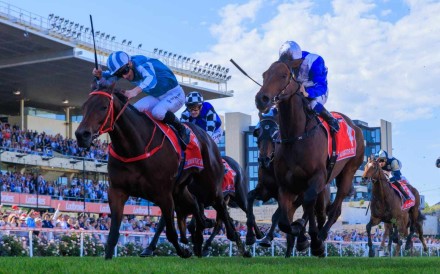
(152, 77)
(202, 114)
(311, 72)
(393, 166)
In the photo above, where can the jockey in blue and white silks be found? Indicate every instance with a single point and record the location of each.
(393, 166)
(152, 77)
(202, 114)
(311, 72)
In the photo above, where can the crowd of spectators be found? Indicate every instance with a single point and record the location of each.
(12, 138)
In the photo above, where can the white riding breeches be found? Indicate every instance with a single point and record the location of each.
(172, 101)
(216, 135)
(318, 100)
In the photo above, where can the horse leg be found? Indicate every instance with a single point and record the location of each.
(167, 207)
(409, 242)
(181, 223)
(343, 182)
(373, 222)
(290, 241)
(190, 202)
(250, 218)
(215, 231)
(116, 200)
(285, 204)
(267, 240)
(231, 234)
(152, 246)
(310, 198)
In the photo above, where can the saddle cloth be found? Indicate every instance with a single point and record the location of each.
(228, 180)
(345, 138)
(411, 201)
(193, 153)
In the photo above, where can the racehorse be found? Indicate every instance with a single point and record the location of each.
(267, 188)
(301, 156)
(144, 163)
(386, 207)
(238, 198)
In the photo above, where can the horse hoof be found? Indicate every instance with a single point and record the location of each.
(186, 253)
(303, 245)
(297, 226)
(259, 235)
(408, 245)
(288, 255)
(318, 249)
(371, 253)
(250, 240)
(265, 242)
(147, 253)
(247, 254)
(184, 240)
(205, 253)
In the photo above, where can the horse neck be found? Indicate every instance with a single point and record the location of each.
(382, 191)
(292, 117)
(130, 133)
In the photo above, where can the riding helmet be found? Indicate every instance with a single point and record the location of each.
(193, 98)
(116, 60)
(382, 154)
(292, 49)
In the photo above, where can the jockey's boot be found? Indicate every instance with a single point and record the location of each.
(332, 121)
(183, 132)
(404, 194)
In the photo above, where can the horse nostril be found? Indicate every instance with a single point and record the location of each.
(265, 99)
(86, 134)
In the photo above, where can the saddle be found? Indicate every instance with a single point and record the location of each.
(411, 201)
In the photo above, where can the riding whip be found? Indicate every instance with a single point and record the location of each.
(94, 45)
(242, 71)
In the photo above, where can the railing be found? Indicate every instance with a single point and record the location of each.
(81, 37)
(332, 248)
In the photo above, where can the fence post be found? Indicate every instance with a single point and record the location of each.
(272, 245)
(326, 249)
(81, 250)
(253, 249)
(31, 248)
(116, 250)
(340, 249)
(230, 249)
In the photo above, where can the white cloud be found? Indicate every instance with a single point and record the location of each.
(376, 68)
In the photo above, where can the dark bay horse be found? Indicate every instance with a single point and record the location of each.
(301, 157)
(145, 164)
(232, 199)
(386, 207)
(267, 188)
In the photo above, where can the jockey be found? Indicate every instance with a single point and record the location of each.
(311, 72)
(392, 165)
(151, 76)
(202, 114)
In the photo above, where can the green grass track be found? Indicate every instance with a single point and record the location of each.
(266, 265)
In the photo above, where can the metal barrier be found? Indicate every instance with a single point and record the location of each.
(338, 248)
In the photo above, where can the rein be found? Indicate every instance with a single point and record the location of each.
(276, 99)
(109, 119)
(110, 113)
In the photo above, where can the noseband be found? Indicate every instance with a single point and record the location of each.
(110, 113)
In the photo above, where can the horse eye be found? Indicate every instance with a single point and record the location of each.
(104, 108)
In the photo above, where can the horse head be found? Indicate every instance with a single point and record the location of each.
(279, 84)
(373, 172)
(265, 135)
(98, 114)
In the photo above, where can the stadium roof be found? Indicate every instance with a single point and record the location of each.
(49, 66)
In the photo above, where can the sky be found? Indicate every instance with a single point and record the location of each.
(383, 56)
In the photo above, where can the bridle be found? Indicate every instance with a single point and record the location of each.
(265, 161)
(109, 118)
(282, 92)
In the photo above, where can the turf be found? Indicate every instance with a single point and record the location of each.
(267, 265)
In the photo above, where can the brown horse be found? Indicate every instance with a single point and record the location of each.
(145, 164)
(386, 207)
(267, 188)
(238, 198)
(301, 157)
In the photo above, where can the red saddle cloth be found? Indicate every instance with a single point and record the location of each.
(228, 180)
(193, 153)
(345, 138)
(412, 199)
